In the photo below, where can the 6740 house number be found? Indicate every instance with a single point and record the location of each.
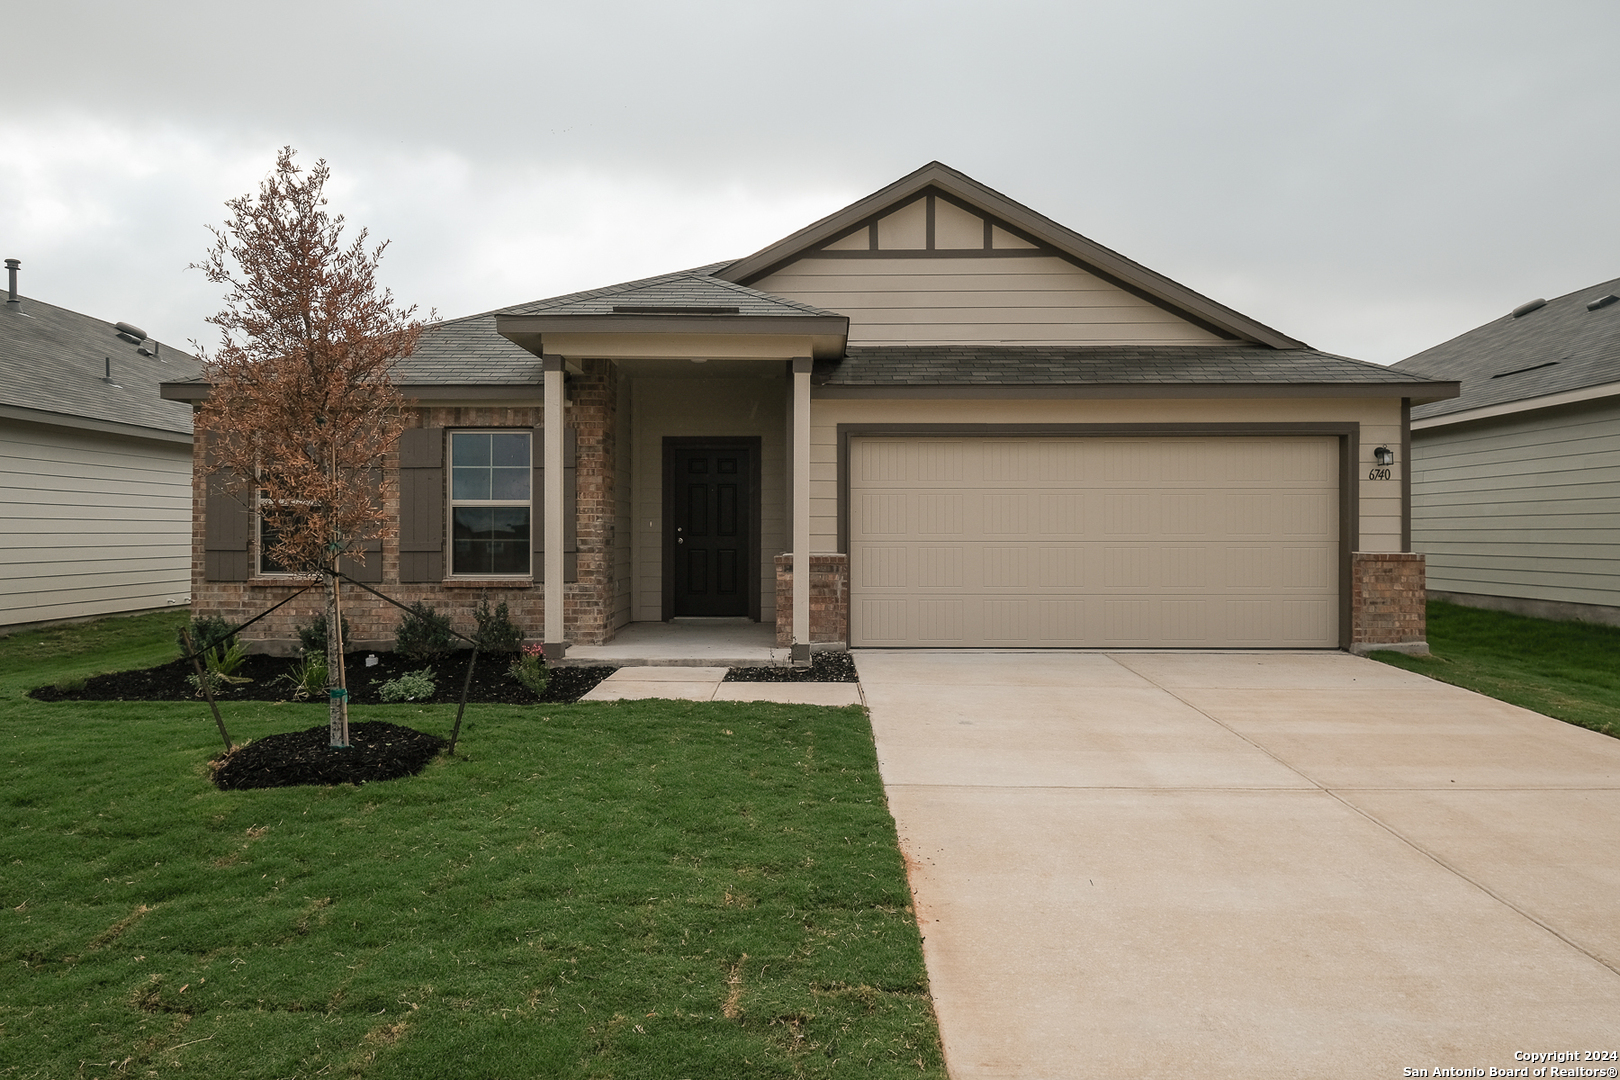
(1380, 473)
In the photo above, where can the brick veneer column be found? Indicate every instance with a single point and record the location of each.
(1387, 599)
(829, 599)
(594, 396)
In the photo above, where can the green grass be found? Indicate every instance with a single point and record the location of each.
(1563, 669)
(649, 889)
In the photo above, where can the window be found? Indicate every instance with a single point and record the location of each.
(490, 504)
(267, 536)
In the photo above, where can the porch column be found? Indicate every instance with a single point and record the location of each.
(552, 498)
(801, 511)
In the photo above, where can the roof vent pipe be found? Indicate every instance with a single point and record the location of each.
(1529, 306)
(11, 282)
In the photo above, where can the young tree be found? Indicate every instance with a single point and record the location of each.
(301, 408)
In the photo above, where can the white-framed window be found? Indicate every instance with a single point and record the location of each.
(491, 503)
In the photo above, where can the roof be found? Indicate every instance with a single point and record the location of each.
(54, 365)
(1094, 257)
(1557, 347)
(690, 292)
(1116, 365)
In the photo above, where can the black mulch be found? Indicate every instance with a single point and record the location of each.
(271, 677)
(824, 667)
(376, 751)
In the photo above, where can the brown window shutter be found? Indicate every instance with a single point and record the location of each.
(570, 505)
(421, 508)
(228, 527)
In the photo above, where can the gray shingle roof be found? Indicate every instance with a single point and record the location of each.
(466, 352)
(54, 360)
(1568, 347)
(685, 288)
(1026, 365)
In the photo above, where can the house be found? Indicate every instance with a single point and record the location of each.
(95, 468)
(1516, 482)
(974, 426)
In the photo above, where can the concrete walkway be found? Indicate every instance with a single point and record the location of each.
(707, 684)
(1239, 865)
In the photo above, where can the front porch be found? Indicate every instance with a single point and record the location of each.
(720, 643)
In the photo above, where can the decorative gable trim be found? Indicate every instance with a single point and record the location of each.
(936, 181)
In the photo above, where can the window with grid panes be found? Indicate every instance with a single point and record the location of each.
(491, 506)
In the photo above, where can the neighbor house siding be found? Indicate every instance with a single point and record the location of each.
(1037, 299)
(91, 524)
(1523, 507)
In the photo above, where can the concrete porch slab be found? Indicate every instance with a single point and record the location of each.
(682, 683)
(686, 642)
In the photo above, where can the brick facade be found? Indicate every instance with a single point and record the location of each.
(1387, 599)
(829, 599)
(373, 622)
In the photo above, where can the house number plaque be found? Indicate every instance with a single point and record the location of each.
(1379, 473)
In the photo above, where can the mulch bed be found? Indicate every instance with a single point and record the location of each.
(824, 667)
(271, 677)
(376, 751)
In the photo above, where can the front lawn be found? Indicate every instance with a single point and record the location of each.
(1564, 669)
(641, 889)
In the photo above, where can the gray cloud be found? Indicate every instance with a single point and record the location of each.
(1372, 177)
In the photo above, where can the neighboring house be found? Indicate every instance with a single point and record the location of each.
(1516, 483)
(95, 467)
(975, 426)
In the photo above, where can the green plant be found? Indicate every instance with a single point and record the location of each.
(312, 635)
(208, 633)
(70, 684)
(497, 633)
(308, 676)
(424, 635)
(411, 686)
(529, 668)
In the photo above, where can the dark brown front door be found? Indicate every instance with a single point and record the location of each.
(710, 541)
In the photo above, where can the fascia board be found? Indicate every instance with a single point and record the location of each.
(1523, 405)
(84, 423)
(800, 325)
(629, 346)
(1123, 391)
(992, 202)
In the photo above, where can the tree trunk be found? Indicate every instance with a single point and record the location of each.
(337, 691)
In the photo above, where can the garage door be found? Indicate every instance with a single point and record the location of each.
(1094, 542)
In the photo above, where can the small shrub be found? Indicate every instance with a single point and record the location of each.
(497, 633)
(308, 676)
(312, 635)
(70, 684)
(411, 686)
(529, 668)
(218, 681)
(208, 632)
(424, 635)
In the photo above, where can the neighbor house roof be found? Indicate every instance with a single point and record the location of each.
(1535, 357)
(55, 366)
(1115, 365)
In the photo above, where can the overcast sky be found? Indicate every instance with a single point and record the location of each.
(1372, 177)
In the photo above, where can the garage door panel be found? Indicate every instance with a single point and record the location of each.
(1145, 542)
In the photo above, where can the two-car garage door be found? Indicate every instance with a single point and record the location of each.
(1179, 542)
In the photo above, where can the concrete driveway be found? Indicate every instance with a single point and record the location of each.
(1248, 864)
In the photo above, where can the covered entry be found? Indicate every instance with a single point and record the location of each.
(1175, 541)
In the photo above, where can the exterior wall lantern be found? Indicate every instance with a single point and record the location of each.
(1384, 456)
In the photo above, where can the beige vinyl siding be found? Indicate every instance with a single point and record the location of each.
(719, 407)
(1011, 300)
(1379, 420)
(1525, 507)
(91, 524)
